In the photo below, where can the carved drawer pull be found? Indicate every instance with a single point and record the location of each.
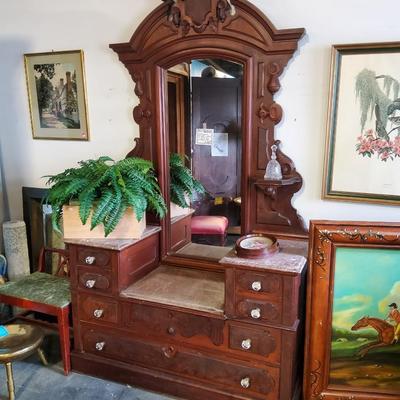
(256, 286)
(169, 352)
(255, 313)
(98, 313)
(90, 260)
(245, 382)
(90, 283)
(246, 344)
(100, 346)
(171, 331)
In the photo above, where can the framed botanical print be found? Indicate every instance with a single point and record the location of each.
(57, 95)
(353, 312)
(363, 134)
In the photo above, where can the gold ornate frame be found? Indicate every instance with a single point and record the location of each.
(76, 58)
(325, 238)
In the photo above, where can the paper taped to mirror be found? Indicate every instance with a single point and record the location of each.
(204, 137)
(220, 144)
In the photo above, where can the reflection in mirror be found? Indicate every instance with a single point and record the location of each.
(204, 122)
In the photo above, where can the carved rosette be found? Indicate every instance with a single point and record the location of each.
(273, 112)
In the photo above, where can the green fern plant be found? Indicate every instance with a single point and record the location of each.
(182, 182)
(108, 188)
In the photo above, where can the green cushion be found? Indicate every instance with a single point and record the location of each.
(41, 288)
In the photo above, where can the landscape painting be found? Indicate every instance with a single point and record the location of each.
(365, 347)
(57, 95)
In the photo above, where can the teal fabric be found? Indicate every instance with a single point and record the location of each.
(40, 287)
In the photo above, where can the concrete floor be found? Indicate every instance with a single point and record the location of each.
(33, 381)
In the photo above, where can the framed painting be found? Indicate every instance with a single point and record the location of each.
(57, 95)
(363, 133)
(353, 320)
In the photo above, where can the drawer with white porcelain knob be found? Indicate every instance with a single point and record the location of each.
(93, 280)
(259, 310)
(94, 257)
(259, 284)
(261, 341)
(98, 309)
(253, 381)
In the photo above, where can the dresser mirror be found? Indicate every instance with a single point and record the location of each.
(204, 127)
(206, 73)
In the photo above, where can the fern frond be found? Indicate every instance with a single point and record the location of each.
(104, 206)
(114, 216)
(182, 182)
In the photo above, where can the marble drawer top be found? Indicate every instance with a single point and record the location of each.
(291, 258)
(114, 244)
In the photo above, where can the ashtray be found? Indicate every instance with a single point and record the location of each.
(256, 246)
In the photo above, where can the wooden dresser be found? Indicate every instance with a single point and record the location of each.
(226, 329)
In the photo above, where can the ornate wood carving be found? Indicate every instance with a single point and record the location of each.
(235, 30)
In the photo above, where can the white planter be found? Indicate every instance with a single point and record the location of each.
(176, 211)
(127, 228)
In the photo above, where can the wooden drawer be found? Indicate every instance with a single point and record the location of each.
(93, 257)
(168, 324)
(259, 284)
(259, 310)
(97, 309)
(94, 280)
(184, 362)
(262, 341)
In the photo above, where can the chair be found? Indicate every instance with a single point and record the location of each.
(45, 293)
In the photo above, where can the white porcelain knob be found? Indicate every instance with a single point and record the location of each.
(245, 382)
(90, 260)
(255, 313)
(246, 344)
(256, 286)
(98, 313)
(90, 283)
(100, 346)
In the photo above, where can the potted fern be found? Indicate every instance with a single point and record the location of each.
(103, 198)
(183, 186)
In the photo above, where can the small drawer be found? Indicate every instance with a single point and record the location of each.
(93, 281)
(265, 342)
(267, 285)
(256, 310)
(97, 309)
(94, 257)
(184, 362)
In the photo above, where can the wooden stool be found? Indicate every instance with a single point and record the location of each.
(22, 341)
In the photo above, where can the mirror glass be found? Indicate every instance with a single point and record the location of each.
(205, 129)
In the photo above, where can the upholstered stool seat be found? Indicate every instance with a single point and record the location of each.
(208, 229)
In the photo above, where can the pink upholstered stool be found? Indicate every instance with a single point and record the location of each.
(209, 229)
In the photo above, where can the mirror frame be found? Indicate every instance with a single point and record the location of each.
(181, 30)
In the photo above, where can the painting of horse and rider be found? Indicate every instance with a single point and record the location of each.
(365, 346)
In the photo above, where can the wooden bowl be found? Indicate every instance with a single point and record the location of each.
(256, 246)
